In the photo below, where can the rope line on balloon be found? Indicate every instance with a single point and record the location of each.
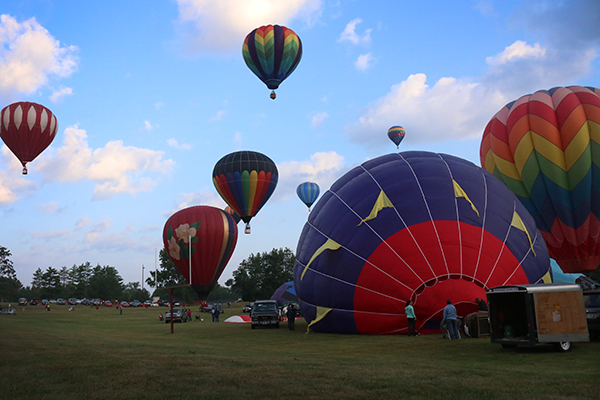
(366, 222)
(428, 212)
(483, 221)
(307, 267)
(460, 246)
(503, 246)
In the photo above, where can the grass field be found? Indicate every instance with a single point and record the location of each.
(100, 354)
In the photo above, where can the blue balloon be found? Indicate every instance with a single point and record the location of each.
(308, 193)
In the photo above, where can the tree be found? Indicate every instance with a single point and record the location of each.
(51, 287)
(106, 283)
(260, 275)
(9, 284)
(133, 291)
(169, 276)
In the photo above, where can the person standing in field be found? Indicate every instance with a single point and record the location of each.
(450, 319)
(291, 316)
(410, 317)
(481, 304)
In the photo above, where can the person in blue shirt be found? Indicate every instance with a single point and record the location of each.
(450, 319)
(410, 318)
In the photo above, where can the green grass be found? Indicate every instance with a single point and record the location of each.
(100, 354)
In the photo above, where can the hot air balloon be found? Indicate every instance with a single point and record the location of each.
(27, 129)
(543, 147)
(272, 52)
(396, 134)
(231, 211)
(245, 180)
(285, 294)
(206, 233)
(308, 193)
(414, 226)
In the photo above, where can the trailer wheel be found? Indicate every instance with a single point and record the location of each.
(563, 346)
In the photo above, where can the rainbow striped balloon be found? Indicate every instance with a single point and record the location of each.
(272, 52)
(396, 134)
(545, 148)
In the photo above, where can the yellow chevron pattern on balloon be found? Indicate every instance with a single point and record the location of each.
(330, 244)
(321, 313)
(382, 202)
(459, 192)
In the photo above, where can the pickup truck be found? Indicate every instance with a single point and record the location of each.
(265, 313)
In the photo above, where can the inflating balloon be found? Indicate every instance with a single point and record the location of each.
(413, 226)
(200, 241)
(27, 129)
(544, 147)
(308, 192)
(245, 180)
(396, 135)
(272, 53)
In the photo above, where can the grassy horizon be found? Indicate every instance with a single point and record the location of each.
(100, 354)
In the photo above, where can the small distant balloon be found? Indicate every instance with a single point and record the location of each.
(272, 53)
(27, 129)
(308, 192)
(396, 134)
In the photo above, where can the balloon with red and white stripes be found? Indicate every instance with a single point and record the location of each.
(27, 129)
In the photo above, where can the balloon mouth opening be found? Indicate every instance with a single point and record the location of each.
(272, 83)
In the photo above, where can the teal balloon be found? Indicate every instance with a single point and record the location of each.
(308, 193)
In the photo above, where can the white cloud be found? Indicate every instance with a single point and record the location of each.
(364, 62)
(238, 139)
(323, 168)
(31, 56)
(318, 119)
(50, 208)
(349, 34)
(57, 95)
(82, 223)
(148, 126)
(113, 168)
(218, 116)
(517, 50)
(221, 26)
(175, 144)
(485, 7)
(12, 184)
(208, 197)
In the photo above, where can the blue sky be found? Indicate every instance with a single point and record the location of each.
(150, 94)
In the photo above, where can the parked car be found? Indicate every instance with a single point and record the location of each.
(45, 301)
(34, 302)
(124, 304)
(265, 313)
(85, 302)
(179, 315)
(72, 301)
(247, 308)
(61, 302)
(108, 303)
(163, 303)
(22, 301)
(135, 303)
(591, 300)
(8, 311)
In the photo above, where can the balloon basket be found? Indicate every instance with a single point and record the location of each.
(247, 229)
(273, 95)
(24, 170)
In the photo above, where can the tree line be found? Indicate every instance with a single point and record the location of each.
(257, 277)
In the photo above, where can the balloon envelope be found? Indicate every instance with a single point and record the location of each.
(27, 129)
(272, 53)
(285, 294)
(212, 234)
(396, 134)
(245, 180)
(308, 192)
(231, 211)
(414, 225)
(543, 146)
